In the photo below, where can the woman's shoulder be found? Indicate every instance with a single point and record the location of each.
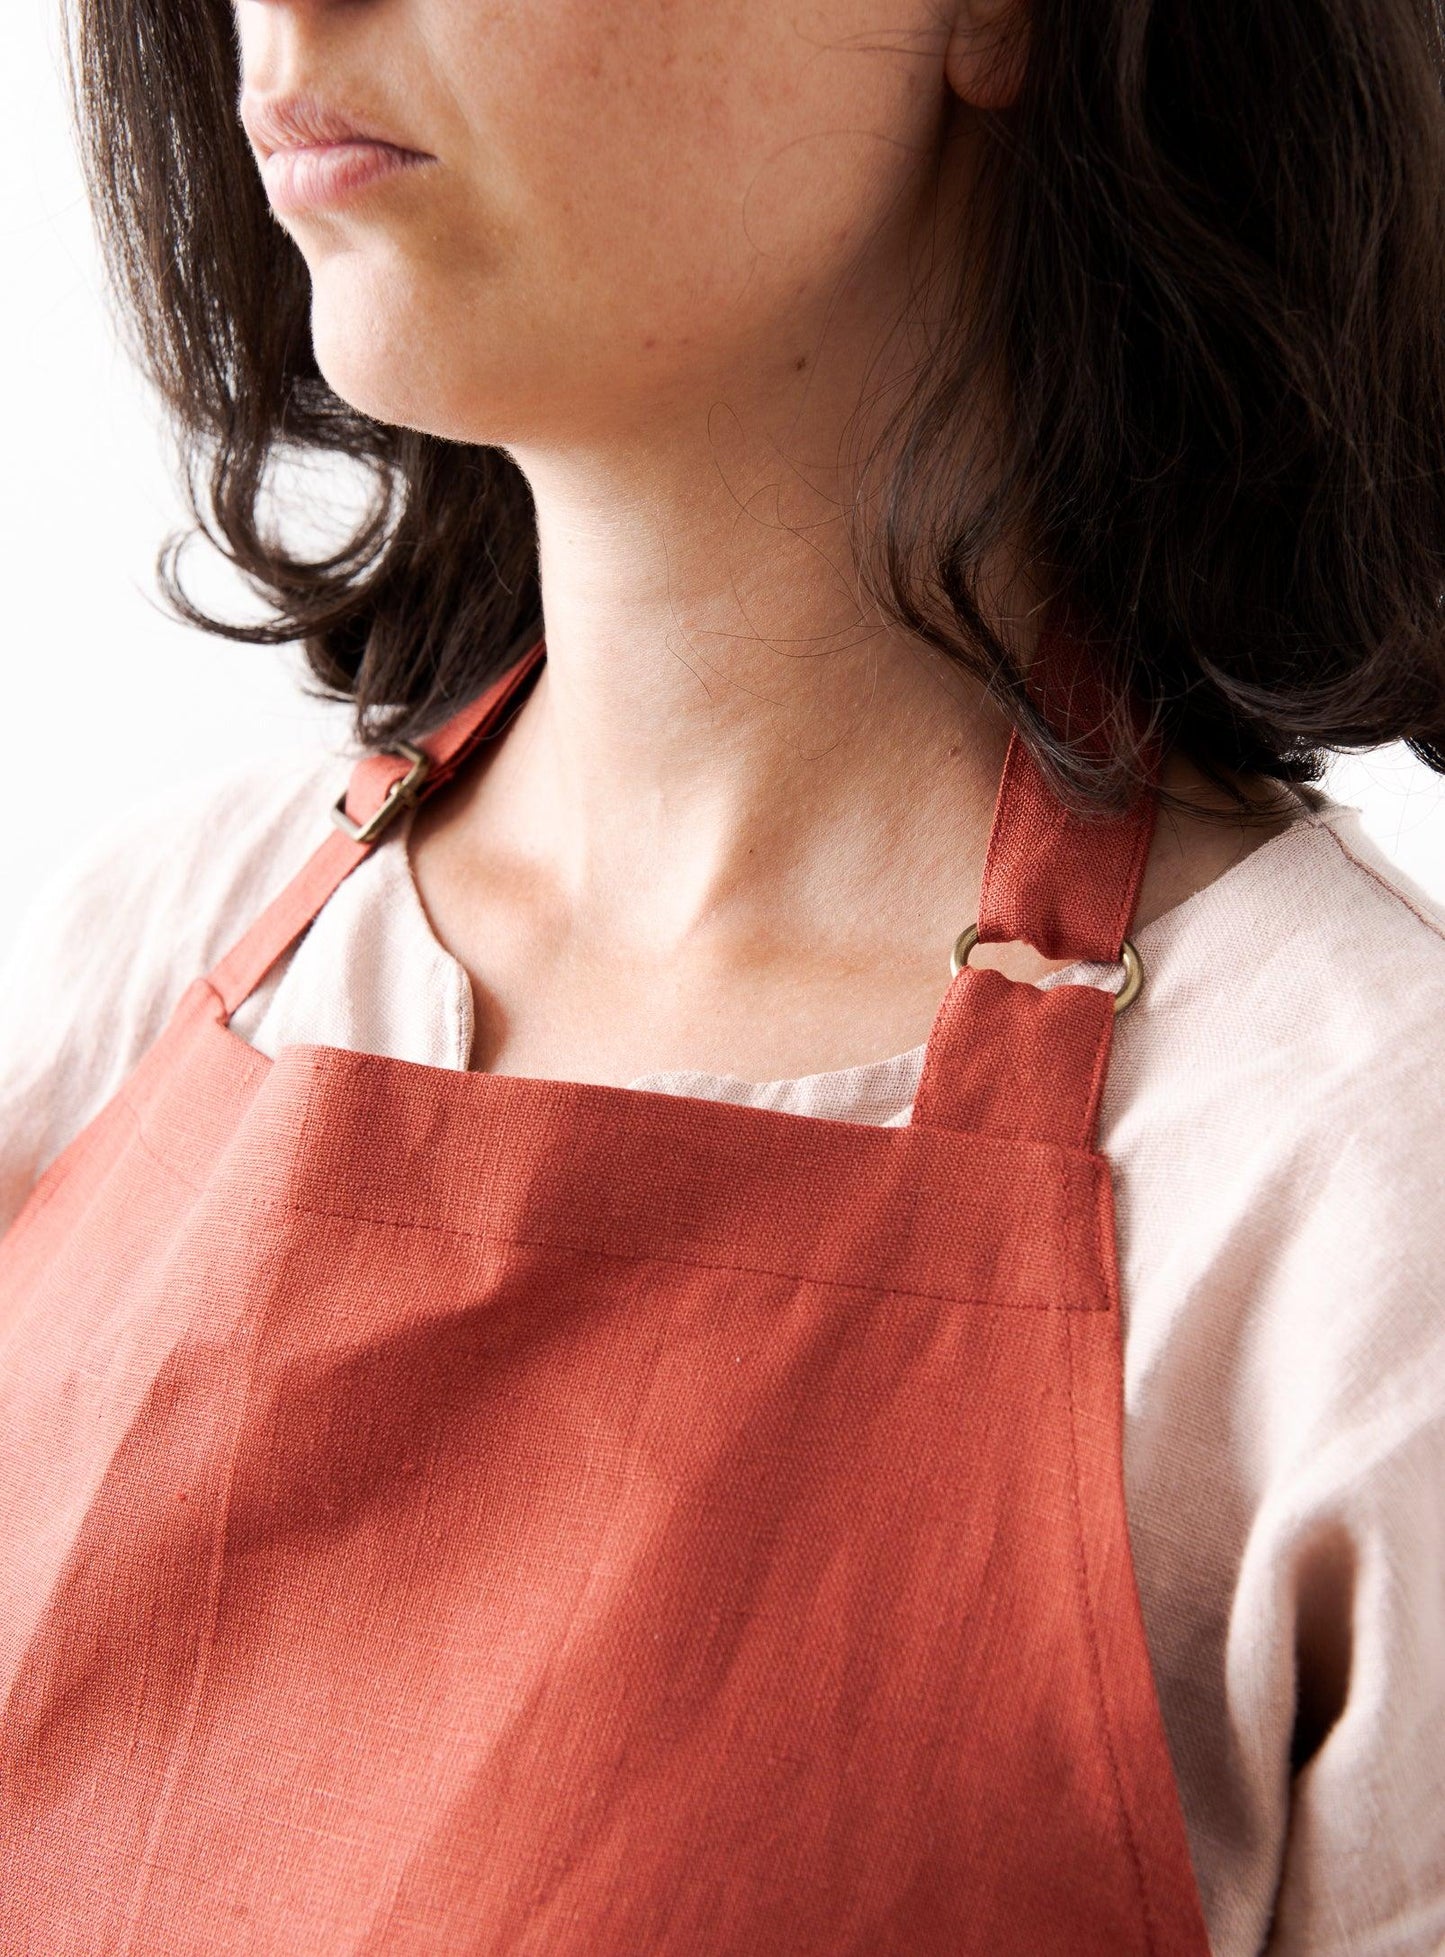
(125, 923)
(1364, 888)
(1276, 1112)
(1316, 950)
(1278, 1109)
(158, 897)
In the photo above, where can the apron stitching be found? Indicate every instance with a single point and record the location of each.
(884, 1286)
(1106, 1238)
(1074, 1179)
(1102, 1055)
(1096, 1661)
(181, 1748)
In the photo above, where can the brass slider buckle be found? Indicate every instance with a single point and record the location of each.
(402, 793)
(1124, 998)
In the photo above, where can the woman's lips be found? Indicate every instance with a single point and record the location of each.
(324, 175)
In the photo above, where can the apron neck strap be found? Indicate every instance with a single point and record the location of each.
(1068, 885)
(1005, 1058)
(381, 786)
(1002, 1058)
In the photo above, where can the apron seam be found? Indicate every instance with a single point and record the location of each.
(1097, 1664)
(184, 1742)
(1074, 1180)
(882, 1288)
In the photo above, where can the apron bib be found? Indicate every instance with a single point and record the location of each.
(453, 1513)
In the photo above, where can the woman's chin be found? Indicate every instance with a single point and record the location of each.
(385, 338)
(390, 371)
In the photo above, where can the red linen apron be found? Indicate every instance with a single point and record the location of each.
(455, 1513)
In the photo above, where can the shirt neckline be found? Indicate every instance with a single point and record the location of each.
(1316, 810)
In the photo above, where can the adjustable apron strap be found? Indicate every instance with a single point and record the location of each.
(381, 786)
(1003, 1057)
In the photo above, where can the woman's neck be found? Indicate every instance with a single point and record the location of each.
(721, 709)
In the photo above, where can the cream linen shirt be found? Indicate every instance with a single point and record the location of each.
(1275, 1118)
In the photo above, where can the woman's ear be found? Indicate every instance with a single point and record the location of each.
(987, 52)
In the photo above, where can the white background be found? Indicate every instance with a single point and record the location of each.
(108, 701)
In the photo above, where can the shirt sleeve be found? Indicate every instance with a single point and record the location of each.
(1347, 1556)
(99, 961)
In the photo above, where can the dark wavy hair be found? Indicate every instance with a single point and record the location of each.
(1213, 281)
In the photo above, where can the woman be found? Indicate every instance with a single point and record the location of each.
(521, 1431)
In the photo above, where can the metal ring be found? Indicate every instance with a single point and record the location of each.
(401, 795)
(1124, 998)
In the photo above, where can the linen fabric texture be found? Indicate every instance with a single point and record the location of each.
(1278, 1258)
(429, 1581)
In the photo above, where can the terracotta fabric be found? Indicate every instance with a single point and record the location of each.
(447, 1512)
(372, 781)
(1030, 891)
